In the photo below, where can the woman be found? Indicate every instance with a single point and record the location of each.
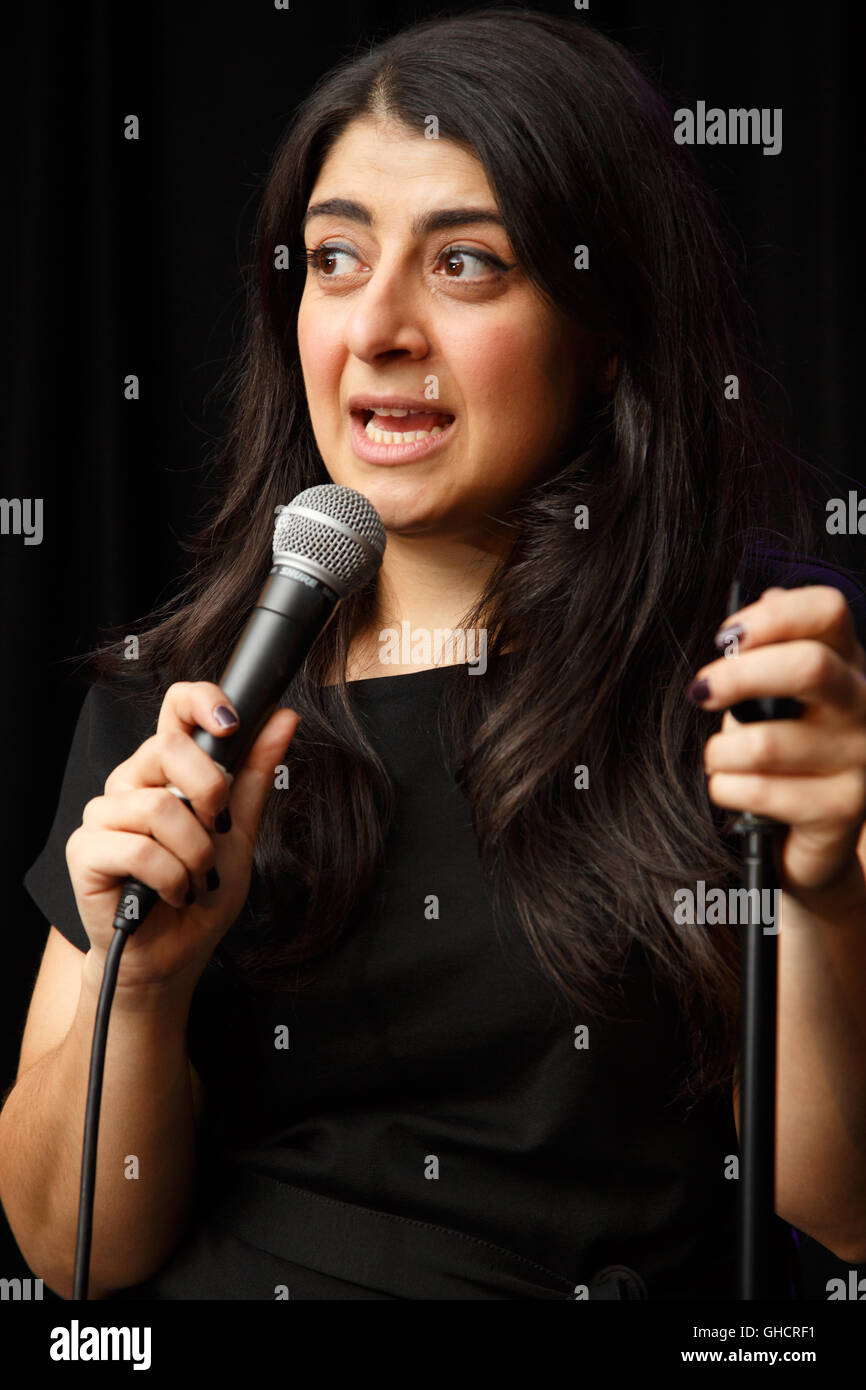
(418, 1019)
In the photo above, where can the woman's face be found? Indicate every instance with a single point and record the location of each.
(391, 309)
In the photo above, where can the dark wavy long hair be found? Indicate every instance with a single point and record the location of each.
(605, 626)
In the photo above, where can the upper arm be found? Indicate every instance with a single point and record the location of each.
(53, 1005)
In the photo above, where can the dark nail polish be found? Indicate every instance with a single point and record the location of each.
(223, 822)
(190, 897)
(727, 634)
(698, 691)
(224, 716)
(212, 879)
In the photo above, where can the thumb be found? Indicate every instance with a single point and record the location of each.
(256, 775)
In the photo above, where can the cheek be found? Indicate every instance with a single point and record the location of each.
(318, 347)
(524, 380)
(511, 380)
(490, 367)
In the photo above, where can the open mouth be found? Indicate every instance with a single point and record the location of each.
(402, 426)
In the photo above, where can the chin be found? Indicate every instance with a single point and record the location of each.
(400, 502)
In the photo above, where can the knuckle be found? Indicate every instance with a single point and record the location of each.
(711, 747)
(91, 810)
(202, 855)
(204, 695)
(72, 845)
(852, 796)
(835, 605)
(117, 777)
(145, 857)
(816, 664)
(157, 801)
(171, 741)
(764, 741)
(178, 879)
(215, 788)
(759, 796)
(773, 597)
(150, 745)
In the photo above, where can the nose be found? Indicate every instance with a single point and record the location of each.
(386, 317)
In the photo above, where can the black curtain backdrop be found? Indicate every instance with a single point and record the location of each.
(126, 257)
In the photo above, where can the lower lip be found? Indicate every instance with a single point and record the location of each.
(395, 453)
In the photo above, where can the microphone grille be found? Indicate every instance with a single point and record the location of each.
(332, 532)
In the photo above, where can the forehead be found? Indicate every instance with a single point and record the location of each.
(377, 153)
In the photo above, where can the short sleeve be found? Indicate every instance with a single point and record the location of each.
(114, 720)
(768, 567)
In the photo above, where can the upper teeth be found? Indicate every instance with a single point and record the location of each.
(386, 437)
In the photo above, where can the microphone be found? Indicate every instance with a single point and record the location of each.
(328, 543)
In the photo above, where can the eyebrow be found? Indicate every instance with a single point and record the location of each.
(441, 219)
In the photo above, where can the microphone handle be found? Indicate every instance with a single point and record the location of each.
(293, 609)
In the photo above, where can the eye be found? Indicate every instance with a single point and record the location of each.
(318, 257)
(457, 254)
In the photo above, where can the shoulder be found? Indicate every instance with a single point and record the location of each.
(122, 701)
(117, 714)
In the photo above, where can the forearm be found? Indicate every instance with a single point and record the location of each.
(146, 1127)
(821, 1087)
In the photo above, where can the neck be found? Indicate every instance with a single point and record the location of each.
(430, 583)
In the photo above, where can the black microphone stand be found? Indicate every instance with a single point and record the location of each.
(759, 1274)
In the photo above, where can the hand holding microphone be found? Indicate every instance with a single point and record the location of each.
(139, 825)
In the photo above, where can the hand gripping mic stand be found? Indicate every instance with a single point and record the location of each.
(759, 1273)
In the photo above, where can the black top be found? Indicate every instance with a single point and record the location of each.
(431, 1130)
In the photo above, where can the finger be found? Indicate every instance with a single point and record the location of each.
(189, 705)
(792, 800)
(100, 858)
(819, 611)
(806, 670)
(784, 746)
(255, 779)
(158, 812)
(172, 757)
